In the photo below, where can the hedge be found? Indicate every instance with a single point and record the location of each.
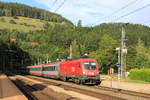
(140, 74)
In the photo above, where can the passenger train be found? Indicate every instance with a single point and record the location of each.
(81, 71)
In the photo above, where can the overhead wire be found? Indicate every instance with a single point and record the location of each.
(60, 5)
(120, 9)
(53, 4)
(132, 12)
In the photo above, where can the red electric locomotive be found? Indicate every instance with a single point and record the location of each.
(80, 71)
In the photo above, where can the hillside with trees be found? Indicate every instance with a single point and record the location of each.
(14, 9)
(21, 48)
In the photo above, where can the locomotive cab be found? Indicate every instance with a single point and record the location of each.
(90, 72)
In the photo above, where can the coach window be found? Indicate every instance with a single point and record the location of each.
(54, 68)
(44, 69)
(38, 69)
(48, 68)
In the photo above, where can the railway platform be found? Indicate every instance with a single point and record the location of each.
(132, 86)
(8, 91)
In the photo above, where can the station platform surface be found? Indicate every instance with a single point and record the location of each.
(132, 86)
(8, 91)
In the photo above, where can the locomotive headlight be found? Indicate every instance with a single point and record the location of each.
(97, 72)
(83, 72)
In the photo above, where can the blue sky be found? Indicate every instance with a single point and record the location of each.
(92, 12)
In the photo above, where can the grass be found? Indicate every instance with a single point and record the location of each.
(114, 77)
(22, 23)
(135, 81)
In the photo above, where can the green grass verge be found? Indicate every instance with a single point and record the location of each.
(22, 23)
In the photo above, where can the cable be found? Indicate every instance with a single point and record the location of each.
(53, 4)
(60, 5)
(120, 9)
(132, 12)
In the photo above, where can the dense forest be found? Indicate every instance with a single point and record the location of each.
(21, 48)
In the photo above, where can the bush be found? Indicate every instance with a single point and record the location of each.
(12, 22)
(140, 74)
(15, 17)
(2, 20)
(26, 24)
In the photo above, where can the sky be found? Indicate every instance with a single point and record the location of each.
(95, 12)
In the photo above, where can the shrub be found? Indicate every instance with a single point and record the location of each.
(140, 74)
(12, 22)
(15, 17)
(26, 24)
(2, 20)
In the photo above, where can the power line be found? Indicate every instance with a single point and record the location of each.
(60, 5)
(120, 9)
(124, 7)
(132, 12)
(53, 4)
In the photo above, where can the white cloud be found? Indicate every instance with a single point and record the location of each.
(91, 11)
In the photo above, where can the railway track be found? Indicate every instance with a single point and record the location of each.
(103, 93)
(37, 92)
(26, 89)
(72, 87)
(138, 94)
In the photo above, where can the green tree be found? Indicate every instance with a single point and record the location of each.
(142, 56)
(75, 50)
(79, 23)
(106, 54)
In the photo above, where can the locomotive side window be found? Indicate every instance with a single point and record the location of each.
(90, 65)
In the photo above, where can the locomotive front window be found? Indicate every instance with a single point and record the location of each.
(90, 65)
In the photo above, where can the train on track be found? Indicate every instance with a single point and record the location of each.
(81, 71)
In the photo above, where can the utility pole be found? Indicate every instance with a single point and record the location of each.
(119, 62)
(123, 54)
